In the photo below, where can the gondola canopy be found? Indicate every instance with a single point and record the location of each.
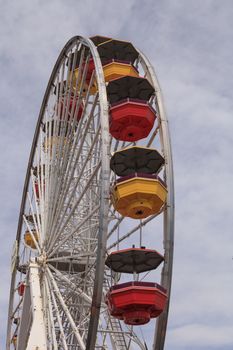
(134, 260)
(129, 87)
(117, 49)
(98, 39)
(136, 160)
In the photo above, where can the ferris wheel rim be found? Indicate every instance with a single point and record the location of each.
(169, 213)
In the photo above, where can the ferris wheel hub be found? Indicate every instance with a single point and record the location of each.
(41, 259)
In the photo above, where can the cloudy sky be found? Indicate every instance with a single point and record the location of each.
(190, 43)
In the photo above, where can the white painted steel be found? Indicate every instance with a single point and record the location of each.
(169, 212)
(66, 311)
(37, 336)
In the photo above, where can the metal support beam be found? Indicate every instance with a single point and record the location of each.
(37, 336)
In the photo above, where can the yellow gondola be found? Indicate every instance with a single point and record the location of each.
(112, 70)
(14, 341)
(118, 69)
(54, 141)
(93, 88)
(29, 240)
(138, 197)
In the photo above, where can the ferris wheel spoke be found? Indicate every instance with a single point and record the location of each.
(79, 292)
(56, 235)
(118, 334)
(87, 157)
(71, 196)
(16, 308)
(37, 193)
(83, 301)
(75, 205)
(66, 310)
(122, 218)
(57, 194)
(76, 258)
(68, 177)
(43, 181)
(36, 243)
(132, 231)
(115, 227)
(58, 317)
(135, 339)
(67, 100)
(35, 218)
(156, 131)
(72, 259)
(38, 213)
(61, 147)
(82, 72)
(51, 250)
(50, 319)
(41, 186)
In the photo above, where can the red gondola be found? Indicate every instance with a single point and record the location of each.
(37, 189)
(136, 302)
(21, 288)
(131, 120)
(72, 102)
(90, 68)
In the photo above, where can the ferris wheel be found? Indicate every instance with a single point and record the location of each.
(92, 259)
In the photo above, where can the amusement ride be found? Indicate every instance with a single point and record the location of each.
(92, 260)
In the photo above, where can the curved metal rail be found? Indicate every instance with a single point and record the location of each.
(169, 212)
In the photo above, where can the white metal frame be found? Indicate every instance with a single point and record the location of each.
(37, 336)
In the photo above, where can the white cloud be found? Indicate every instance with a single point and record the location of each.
(198, 336)
(190, 44)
